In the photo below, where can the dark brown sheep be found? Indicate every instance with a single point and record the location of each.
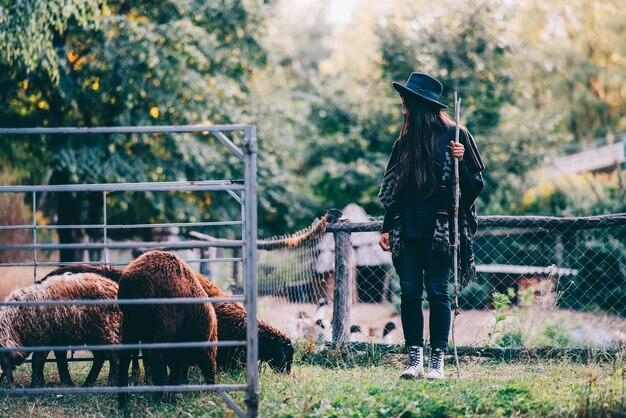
(109, 272)
(275, 347)
(61, 325)
(158, 274)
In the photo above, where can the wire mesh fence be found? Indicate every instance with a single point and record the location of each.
(542, 282)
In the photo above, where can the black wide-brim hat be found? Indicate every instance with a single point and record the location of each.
(423, 87)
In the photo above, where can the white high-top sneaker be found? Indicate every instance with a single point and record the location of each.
(435, 365)
(415, 367)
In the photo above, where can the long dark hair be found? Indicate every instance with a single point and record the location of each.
(424, 126)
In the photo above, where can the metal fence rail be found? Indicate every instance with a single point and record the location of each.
(242, 191)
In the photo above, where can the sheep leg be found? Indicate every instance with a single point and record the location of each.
(98, 361)
(158, 368)
(63, 368)
(208, 365)
(135, 372)
(176, 372)
(114, 360)
(147, 371)
(184, 373)
(124, 363)
(8, 372)
(37, 364)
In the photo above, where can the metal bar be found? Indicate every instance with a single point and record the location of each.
(343, 287)
(131, 226)
(124, 129)
(34, 237)
(231, 403)
(237, 252)
(119, 389)
(205, 185)
(111, 347)
(104, 230)
(228, 144)
(146, 301)
(354, 227)
(553, 222)
(125, 245)
(70, 360)
(213, 260)
(547, 222)
(235, 196)
(122, 263)
(250, 272)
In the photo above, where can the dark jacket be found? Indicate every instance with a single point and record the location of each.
(426, 208)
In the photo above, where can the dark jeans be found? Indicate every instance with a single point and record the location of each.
(418, 268)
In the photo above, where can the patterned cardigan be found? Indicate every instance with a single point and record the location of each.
(471, 182)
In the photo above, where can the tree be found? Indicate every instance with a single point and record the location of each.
(28, 29)
(573, 59)
(140, 63)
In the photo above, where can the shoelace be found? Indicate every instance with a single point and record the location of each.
(414, 357)
(436, 358)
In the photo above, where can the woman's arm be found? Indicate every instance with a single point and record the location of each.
(470, 170)
(391, 165)
(471, 184)
(388, 221)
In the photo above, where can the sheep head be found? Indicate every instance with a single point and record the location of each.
(275, 349)
(282, 357)
(8, 361)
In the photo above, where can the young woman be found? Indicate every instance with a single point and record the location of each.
(417, 193)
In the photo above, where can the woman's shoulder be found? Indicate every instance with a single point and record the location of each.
(396, 146)
(451, 131)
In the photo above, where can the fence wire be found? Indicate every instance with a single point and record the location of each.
(542, 282)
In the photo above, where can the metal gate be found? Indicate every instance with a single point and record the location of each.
(244, 192)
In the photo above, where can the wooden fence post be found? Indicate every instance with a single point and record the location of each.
(343, 287)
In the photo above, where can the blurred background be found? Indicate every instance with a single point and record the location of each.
(542, 83)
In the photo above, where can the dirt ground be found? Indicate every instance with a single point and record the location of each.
(15, 277)
(472, 326)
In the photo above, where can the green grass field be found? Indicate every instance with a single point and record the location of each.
(318, 387)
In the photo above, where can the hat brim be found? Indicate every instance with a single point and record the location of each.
(406, 91)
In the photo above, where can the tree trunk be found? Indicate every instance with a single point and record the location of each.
(68, 213)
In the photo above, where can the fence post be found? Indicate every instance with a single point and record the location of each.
(343, 286)
(559, 249)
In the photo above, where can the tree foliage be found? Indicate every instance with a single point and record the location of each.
(140, 64)
(533, 76)
(28, 29)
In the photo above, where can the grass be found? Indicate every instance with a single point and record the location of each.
(332, 384)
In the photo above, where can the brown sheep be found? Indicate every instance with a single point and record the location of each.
(39, 358)
(30, 326)
(158, 274)
(275, 347)
(109, 272)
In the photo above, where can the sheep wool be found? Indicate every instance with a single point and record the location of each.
(275, 347)
(29, 326)
(158, 274)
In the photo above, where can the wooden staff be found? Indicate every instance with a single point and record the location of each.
(457, 111)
